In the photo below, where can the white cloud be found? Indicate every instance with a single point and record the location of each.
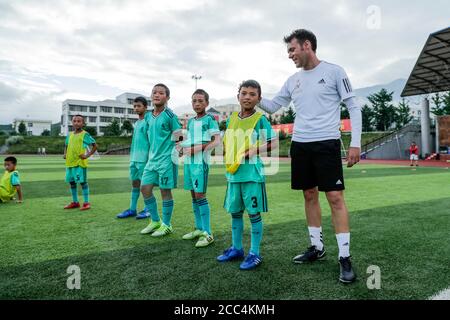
(51, 50)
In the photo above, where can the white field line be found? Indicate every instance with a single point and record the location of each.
(443, 295)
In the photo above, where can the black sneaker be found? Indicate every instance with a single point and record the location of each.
(347, 275)
(310, 255)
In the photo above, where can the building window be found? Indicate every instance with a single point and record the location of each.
(93, 119)
(77, 108)
(30, 125)
(130, 101)
(102, 129)
(131, 111)
(93, 109)
(106, 109)
(106, 119)
(119, 110)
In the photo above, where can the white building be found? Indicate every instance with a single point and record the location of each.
(99, 114)
(34, 127)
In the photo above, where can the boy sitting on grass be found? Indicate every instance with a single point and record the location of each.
(10, 182)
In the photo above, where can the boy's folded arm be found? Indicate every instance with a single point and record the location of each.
(215, 141)
(266, 147)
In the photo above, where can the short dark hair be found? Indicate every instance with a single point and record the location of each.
(11, 159)
(302, 35)
(78, 115)
(202, 92)
(141, 100)
(165, 88)
(250, 84)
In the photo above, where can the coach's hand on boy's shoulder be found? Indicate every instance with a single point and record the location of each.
(353, 156)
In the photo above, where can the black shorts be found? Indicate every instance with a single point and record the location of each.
(317, 164)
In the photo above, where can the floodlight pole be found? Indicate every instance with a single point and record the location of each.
(196, 78)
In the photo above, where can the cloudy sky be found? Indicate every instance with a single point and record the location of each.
(52, 50)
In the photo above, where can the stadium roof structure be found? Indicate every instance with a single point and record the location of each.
(432, 70)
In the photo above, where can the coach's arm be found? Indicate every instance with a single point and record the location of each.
(282, 99)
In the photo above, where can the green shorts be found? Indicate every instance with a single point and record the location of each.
(164, 175)
(76, 174)
(196, 177)
(136, 170)
(246, 195)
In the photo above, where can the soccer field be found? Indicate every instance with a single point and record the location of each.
(399, 217)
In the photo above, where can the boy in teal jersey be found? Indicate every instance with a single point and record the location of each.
(247, 133)
(138, 158)
(76, 154)
(161, 170)
(203, 136)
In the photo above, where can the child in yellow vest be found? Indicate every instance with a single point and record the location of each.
(10, 182)
(248, 132)
(76, 153)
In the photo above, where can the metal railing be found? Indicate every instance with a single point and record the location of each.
(374, 144)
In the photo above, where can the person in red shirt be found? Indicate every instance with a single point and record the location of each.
(414, 154)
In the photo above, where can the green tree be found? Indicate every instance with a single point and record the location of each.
(402, 114)
(22, 129)
(367, 118)
(383, 109)
(441, 104)
(45, 133)
(127, 127)
(288, 116)
(272, 120)
(344, 111)
(91, 130)
(114, 129)
(223, 125)
(55, 131)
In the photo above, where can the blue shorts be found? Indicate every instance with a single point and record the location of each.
(164, 175)
(136, 170)
(76, 174)
(250, 196)
(196, 177)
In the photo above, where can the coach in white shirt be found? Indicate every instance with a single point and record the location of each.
(316, 92)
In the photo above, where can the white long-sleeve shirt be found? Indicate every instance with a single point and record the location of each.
(316, 95)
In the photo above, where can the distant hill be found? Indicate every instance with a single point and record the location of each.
(361, 94)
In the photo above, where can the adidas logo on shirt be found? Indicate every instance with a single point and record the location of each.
(322, 81)
(339, 181)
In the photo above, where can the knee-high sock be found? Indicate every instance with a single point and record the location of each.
(197, 217)
(343, 240)
(316, 237)
(257, 232)
(152, 207)
(167, 211)
(85, 189)
(237, 228)
(73, 189)
(135, 192)
(203, 205)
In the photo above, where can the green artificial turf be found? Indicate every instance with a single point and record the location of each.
(399, 218)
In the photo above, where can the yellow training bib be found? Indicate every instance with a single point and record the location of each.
(237, 139)
(75, 150)
(7, 189)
